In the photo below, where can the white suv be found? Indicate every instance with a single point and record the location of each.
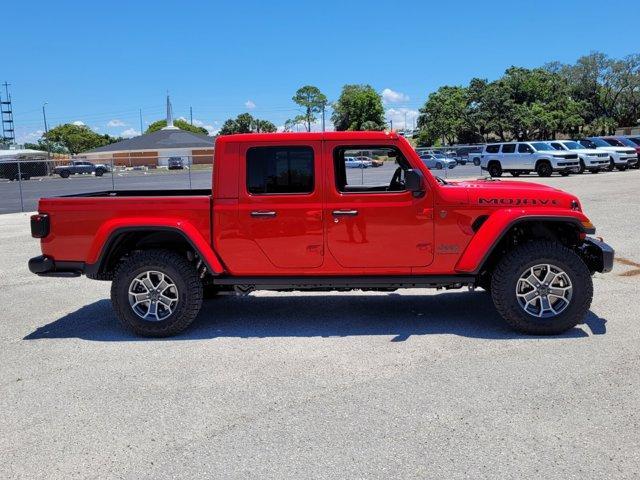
(524, 157)
(620, 157)
(590, 158)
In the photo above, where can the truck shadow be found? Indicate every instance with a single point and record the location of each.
(397, 316)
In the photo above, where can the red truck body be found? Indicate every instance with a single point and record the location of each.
(444, 234)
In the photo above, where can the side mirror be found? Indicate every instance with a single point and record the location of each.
(414, 182)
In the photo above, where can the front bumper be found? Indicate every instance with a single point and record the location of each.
(44, 266)
(597, 255)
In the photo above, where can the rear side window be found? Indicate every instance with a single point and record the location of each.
(275, 170)
(508, 148)
(492, 148)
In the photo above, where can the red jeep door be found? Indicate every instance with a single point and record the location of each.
(280, 202)
(371, 219)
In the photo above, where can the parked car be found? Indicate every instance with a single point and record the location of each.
(631, 142)
(78, 167)
(524, 157)
(590, 158)
(175, 163)
(372, 161)
(299, 225)
(353, 162)
(435, 162)
(469, 154)
(620, 157)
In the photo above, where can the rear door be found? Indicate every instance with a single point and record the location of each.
(280, 202)
(371, 220)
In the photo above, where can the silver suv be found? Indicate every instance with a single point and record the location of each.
(524, 157)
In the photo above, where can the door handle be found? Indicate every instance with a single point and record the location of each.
(345, 213)
(263, 214)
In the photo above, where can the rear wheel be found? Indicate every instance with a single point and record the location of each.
(438, 166)
(544, 169)
(99, 172)
(542, 288)
(156, 293)
(65, 173)
(495, 169)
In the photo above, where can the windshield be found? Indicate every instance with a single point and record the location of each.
(636, 141)
(573, 145)
(542, 146)
(613, 142)
(599, 142)
(628, 142)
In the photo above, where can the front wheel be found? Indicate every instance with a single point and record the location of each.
(582, 167)
(544, 169)
(438, 166)
(542, 288)
(156, 293)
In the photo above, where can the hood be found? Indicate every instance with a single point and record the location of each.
(507, 193)
(617, 149)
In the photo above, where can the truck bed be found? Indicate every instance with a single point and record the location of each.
(80, 222)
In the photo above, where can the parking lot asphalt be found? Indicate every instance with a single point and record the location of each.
(410, 384)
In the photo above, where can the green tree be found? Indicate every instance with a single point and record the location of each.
(312, 100)
(358, 107)
(246, 123)
(77, 138)
(181, 124)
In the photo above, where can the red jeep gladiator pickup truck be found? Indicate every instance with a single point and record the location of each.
(286, 214)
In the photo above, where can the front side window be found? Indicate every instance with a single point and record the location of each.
(492, 148)
(278, 170)
(373, 168)
(524, 148)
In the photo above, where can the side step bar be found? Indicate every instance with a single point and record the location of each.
(303, 283)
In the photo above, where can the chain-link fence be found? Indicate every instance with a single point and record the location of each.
(24, 181)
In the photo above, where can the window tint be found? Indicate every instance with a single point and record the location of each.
(587, 143)
(524, 148)
(492, 148)
(557, 146)
(280, 170)
(613, 142)
(508, 148)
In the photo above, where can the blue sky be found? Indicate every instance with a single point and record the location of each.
(98, 63)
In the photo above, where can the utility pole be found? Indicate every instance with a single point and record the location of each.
(141, 130)
(323, 117)
(391, 122)
(46, 129)
(191, 115)
(405, 120)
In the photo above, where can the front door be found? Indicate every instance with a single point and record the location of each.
(371, 219)
(280, 207)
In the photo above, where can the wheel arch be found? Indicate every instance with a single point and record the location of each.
(496, 235)
(124, 239)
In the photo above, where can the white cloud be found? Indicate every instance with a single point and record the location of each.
(249, 104)
(130, 132)
(30, 137)
(78, 123)
(116, 123)
(398, 115)
(391, 96)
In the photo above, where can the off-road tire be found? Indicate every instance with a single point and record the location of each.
(511, 267)
(99, 172)
(179, 270)
(544, 169)
(495, 169)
